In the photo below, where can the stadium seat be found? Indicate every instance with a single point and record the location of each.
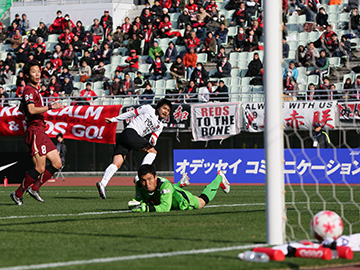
(97, 102)
(257, 98)
(78, 85)
(333, 18)
(333, 9)
(235, 81)
(128, 101)
(99, 92)
(258, 89)
(334, 62)
(174, 17)
(233, 31)
(202, 57)
(234, 56)
(108, 101)
(115, 60)
(159, 84)
(292, 55)
(246, 88)
(118, 101)
(235, 93)
(53, 38)
(235, 73)
(160, 93)
(302, 19)
(313, 79)
(293, 45)
(343, 17)
(98, 85)
(312, 36)
(302, 89)
(350, 75)
(293, 28)
(245, 81)
(170, 84)
(226, 80)
(292, 19)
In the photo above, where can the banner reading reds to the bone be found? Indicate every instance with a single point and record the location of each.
(84, 123)
(215, 121)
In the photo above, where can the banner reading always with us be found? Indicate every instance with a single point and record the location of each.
(297, 115)
(215, 121)
(84, 123)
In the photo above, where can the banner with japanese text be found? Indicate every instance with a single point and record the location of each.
(300, 115)
(178, 118)
(84, 123)
(349, 114)
(247, 166)
(215, 121)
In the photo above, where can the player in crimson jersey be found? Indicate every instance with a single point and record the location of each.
(40, 145)
(147, 121)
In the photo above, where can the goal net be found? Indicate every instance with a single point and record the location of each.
(323, 178)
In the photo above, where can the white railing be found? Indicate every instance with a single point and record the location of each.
(59, 2)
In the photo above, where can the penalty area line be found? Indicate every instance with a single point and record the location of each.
(131, 257)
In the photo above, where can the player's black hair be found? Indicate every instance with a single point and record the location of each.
(59, 135)
(27, 67)
(162, 102)
(145, 169)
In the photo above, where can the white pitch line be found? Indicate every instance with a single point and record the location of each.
(67, 215)
(116, 212)
(131, 257)
(128, 211)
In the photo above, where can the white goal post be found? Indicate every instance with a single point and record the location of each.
(274, 146)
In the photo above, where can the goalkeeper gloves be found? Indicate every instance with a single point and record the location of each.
(136, 206)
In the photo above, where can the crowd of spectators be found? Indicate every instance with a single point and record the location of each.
(201, 28)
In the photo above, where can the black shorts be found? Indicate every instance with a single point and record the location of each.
(129, 140)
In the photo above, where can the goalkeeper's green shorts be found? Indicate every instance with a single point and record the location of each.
(186, 200)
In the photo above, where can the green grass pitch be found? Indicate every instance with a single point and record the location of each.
(71, 226)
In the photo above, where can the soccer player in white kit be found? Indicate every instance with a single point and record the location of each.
(147, 121)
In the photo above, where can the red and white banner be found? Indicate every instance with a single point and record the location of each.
(215, 121)
(84, 123)
(300, 115)
(349, 113)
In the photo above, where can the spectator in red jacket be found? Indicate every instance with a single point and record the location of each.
(133, 61)
(87, 93)
(190, 60)
(56, 27)
(67, 23)
(56, 62)
(66, 38)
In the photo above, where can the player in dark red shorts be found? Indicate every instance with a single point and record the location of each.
(40, 145)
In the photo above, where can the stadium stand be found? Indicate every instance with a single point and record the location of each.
(336, 33)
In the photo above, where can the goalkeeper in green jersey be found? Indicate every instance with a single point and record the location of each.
(157, 194)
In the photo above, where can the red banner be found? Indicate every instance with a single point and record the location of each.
(84, 123)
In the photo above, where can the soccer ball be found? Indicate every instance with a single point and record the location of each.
(326, 224)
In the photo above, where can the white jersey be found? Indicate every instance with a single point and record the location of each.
(146, 121)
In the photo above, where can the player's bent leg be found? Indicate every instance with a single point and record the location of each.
(118, 160)
(210, 190)
(184, 181)
(31, 176)
(54, 157)
(150, 156)
(148, 159)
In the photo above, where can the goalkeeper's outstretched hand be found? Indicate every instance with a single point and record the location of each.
(137, 206)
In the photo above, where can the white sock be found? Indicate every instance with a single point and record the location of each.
(109, 172)
(149, 158)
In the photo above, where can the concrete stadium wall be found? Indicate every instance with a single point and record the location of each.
(84, 12)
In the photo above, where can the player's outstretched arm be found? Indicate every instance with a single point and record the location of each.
(39, 110)
(133, 113)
